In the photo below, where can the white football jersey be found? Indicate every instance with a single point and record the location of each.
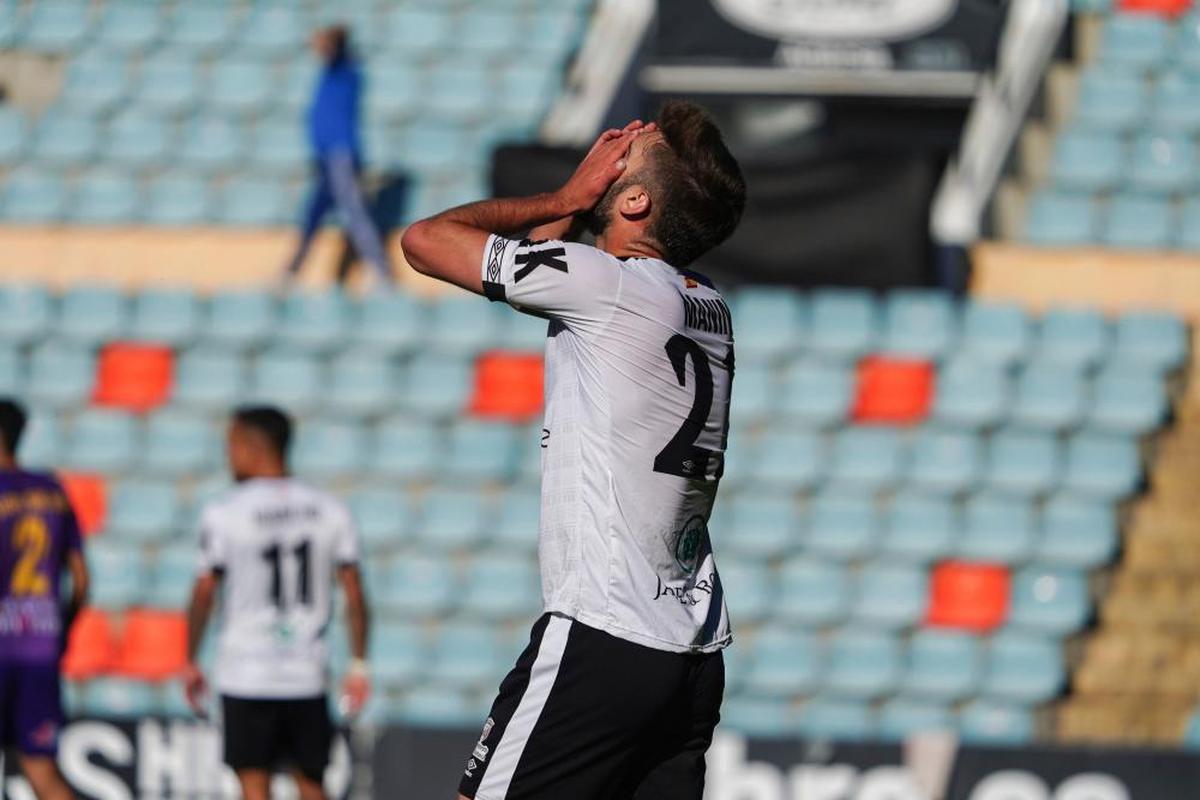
(639, 363)
(276, 543)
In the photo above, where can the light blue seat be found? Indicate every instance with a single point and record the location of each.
(944, 461)
(95, 85)
(298, 81)
(1188, 234)
(1023, 462)
(942, 665)
(420, 585)
(418, 30)
(527, 92)
(129, 25)
(120, 698)
(514, 524)
(988, 722)
(436, 385)
(258, 202)
(1104, 466)
(890, 595)
(479, 452)
(996, 333)
(845, 322)
(26, 312)
(34, 195)
(502, 586)
(769, 323)
(171, 576)
(144, 511)
(867, 458)
(279, 147)
(452, 519)
(1087, 160)
(783, 662)
(106, 197)
(1076, 337)
(314, 322)
(12, 372)
(1049, 396)
(1077, 532)
(1049, 600)
(288, 379)
(467, 656)
(490, 33)
(395, 90)
(383, 515)
(92, 313)
(330, 450)
(404, 449)
(362, 385)
(740, 457)
(42, 443)
(240, 319)
(168, 83)
(461, 324)
(200, 27)
(1163, 163)
(177, 199)
(1127, 398)
(919, 528)
(165, 316)
(998, 528)
(272, 29)
(971, 393)
(56, 27)
(1022, 668)
(66, 139)
(1112, 100)
(211, 143)
(525, 333)
(432, 146)
(1056, 219)
(918, 323)
(440, 708)
(239, 85)
(1139, 221)
(103, 441)
(209, 378)
(813, 592)
(842, 525)
(14, 136)
(60, 375)
(862, 665)
(178, 444)
(461, 91)
(1177, 100)
(755, 394)
(758, 717)
(1154, 340)
(388, 322)
(118, 574)
(749, 589)
(790, 459)
(836, 718)
(900, 718)
(398, 655)
(1135, 41)
(757, 524)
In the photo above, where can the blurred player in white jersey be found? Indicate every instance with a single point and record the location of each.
(274, 547)
(620, 688)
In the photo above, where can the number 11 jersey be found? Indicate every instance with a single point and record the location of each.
(275, 544)
(639, 365)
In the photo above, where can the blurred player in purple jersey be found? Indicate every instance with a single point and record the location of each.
(39, 540)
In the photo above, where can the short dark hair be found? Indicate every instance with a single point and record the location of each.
(339, 39)
(272, 423)
(701, 189)
(12, 424)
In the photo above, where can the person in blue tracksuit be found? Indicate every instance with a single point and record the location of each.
(337, 155)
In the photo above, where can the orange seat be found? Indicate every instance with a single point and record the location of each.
(88, 495)
(1166, 8)
(507, 386)
(893, 391)
(134, 376)
(91, 648)
(968, 595)
(153, 645)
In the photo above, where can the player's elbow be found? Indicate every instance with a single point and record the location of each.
(417, 244)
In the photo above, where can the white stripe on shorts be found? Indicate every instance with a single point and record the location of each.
(542, 675)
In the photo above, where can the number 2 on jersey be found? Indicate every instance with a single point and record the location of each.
(273, 555)
(682, 456)
(31, 540)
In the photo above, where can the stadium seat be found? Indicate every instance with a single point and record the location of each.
(815, 393)
(812, 592)
(944, 462)
(942, 665)
(749, 588)
(508, 386)
(440, 708)
(179, 444)
(13, 136)
(432, 146)
(420, 586)
(919, 528)
(789, 459)
(845, 322)
(92, 646)
(490, 33)
(971, 596)
(466, 656)
(128, 25)
(88, 496)
(239, 85)
(987, 722)
(1187, 236)
(394, 92)
(240, 319)
(770, 323)
(867, 458)
(971, 394)
(998, 528)
(279, 148)
(501, 586)
(862, 665)
(842, 525)
(418, 30)
(1107, 467)
(54, 26)
(757, 524)
(918, 323)
(900, 718)
(783, 663)
(893, 391)
(762, 717)
(460, 91)
(362, 385)
(1150, 339)
(835, 718)
(1127, 398)
(890, 595)
(133, 376)
(1139, 221)
(1077, 532)
(33, 195)
(312, 321)
(284, 378)
(1073, 337)
(105, 197)
(1049, 396)
(461, 324)
(996, 333)
(397, 654)
(1057, 219)
(383, 515)
(145, 511)
(1162, 163)
(26, 312)
(526, 93)
(755, 394)
(119, 698)
(153, 645)
(451, 519)
(1177, 96)
(199, 28)
(256, 202)
(91, 313)
(12, 372)
(1135, 41)
(118, 574)
(171, 575)
(1087, 161)
(137, 140)
(389, 322)
(404, 449)
(60, 376)
(525, 334)
(103, 441)
(513, 525)
(329, 450)
(166, 316)
(1051, 601)
(272, 29)
(95, 85)
(1023, 463)
(1022, 669)
(177, 199)
(209, 378)
(211, 143)
(436, 385)
(168, 83)
(479, 452)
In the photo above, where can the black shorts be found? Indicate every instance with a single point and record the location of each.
(269, 734)
(587, 716)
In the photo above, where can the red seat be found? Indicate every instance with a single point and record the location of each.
(507, 386)
(893, 391)
(88, 495)
(153, 645)
(1166, 8)
(968, 595)
(134, 376)
(91, 648)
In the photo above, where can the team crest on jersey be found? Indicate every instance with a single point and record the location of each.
(689, 543)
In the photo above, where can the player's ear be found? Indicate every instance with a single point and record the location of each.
(634, 203)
